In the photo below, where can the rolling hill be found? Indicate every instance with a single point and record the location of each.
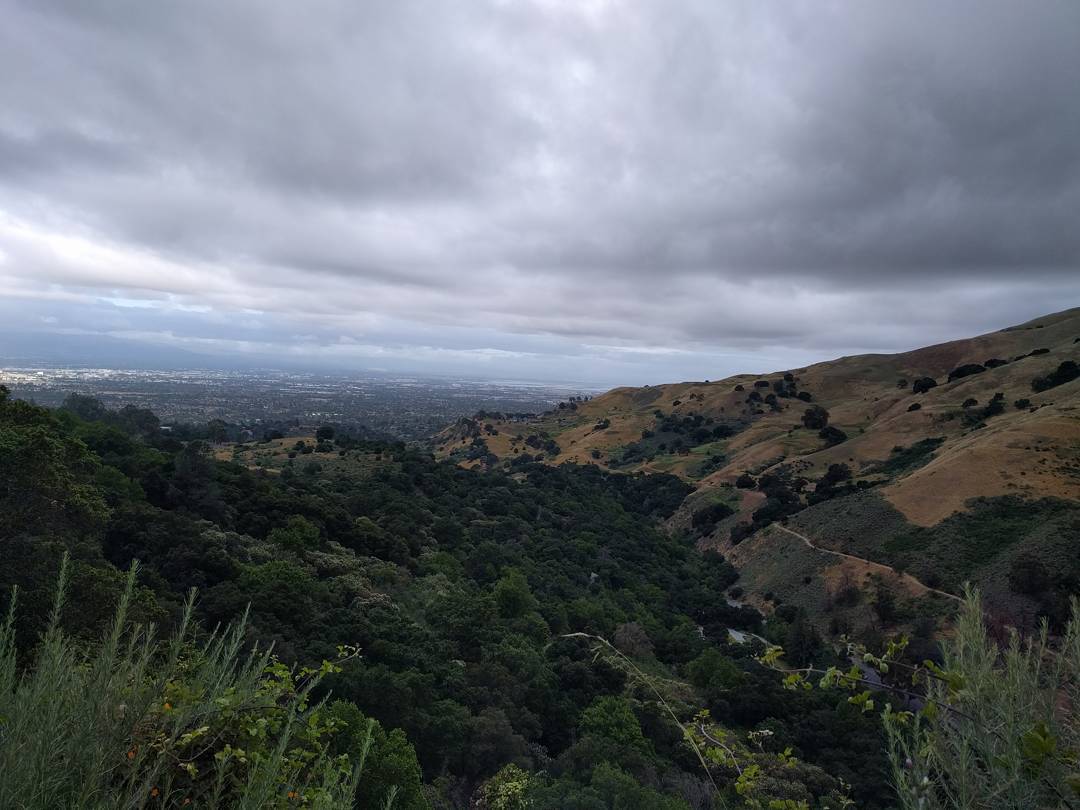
(955, 462)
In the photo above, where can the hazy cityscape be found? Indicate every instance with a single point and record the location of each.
(390, 406)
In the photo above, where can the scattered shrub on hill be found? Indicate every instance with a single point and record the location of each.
(723, 431)
(700, 435)
(710, 465)
(704, 520)
(603, 424)
(970, 402)
(746, 481)
(805, 396)
(832, 435)
(966, 370)
(1064, 373)
(995, 362)
(523, 460)
(1021, 403)
(906, 459)
(740, 531)
(785, 387)
(753, 396)
(815, 418)
(477, 449)
(914, 406)
(781, 498)
(836, 474)
(548, 445)
(923, 384)
(994, 407)
(738, 388)
(828, 486)
(902, 382)
(761, 384)
(1032, 353)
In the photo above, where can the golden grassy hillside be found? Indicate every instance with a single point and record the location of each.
(1032, 450)
(1027, 449)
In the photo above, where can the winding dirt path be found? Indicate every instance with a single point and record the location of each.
(907, 577)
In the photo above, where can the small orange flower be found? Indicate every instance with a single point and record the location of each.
(167, 705)
(154, 792)
(186, 802)
(131, 753)
(291, 794)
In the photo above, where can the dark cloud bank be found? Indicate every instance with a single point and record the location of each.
(618, 192)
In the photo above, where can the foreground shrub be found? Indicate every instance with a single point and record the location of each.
(999, 728)
(998, 725)
(134, 722)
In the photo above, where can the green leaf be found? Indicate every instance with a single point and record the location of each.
(1073, 781)
(1037, 745)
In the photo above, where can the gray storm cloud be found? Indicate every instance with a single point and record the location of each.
(737, 184)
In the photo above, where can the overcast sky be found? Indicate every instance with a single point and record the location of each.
(614, 192)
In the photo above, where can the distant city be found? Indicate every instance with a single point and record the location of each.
(382, 405)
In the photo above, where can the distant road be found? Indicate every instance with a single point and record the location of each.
(810, 543)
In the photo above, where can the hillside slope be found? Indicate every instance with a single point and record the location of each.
(929, 441)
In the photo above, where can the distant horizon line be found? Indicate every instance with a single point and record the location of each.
(25, 365)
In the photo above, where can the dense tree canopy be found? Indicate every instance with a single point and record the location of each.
(459, 587)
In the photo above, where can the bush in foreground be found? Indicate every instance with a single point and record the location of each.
(137, 722)
(998, 725)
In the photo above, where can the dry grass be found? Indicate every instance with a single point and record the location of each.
(1031, 454)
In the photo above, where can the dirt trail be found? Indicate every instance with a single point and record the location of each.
(907, 577)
